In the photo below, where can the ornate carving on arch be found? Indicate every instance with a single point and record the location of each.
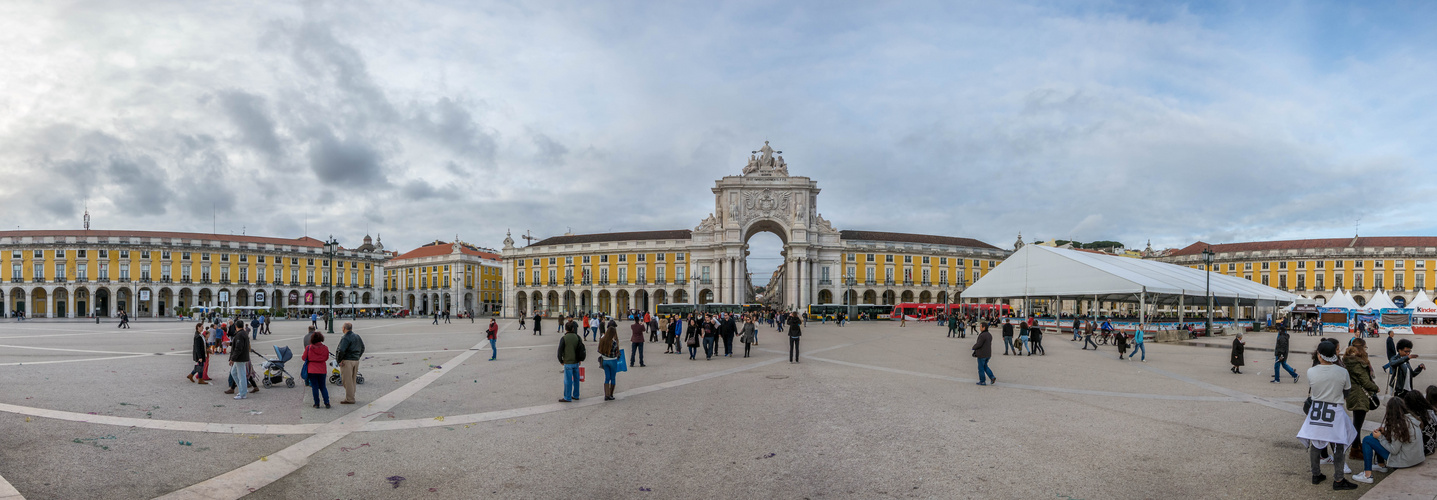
(765, 203)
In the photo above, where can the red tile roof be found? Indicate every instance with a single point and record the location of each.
(445, 248)
(676, 234)
(1358, 242)
(913, 238)
(82, 234)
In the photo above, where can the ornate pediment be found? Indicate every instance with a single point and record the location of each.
(766, 203)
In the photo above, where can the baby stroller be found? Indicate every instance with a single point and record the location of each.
(334, 376)
(274, 368)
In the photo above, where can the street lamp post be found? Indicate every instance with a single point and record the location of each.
(849, 297)
(1207, 261)
(330, 247)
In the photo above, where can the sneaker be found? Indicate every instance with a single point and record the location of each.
(982, 383)
(241, 396)
(1348, 470)
(1318, 479)
(1274, 381)
(1378, 468)
(1361, 478)
(1295, 378)
(1325, 461)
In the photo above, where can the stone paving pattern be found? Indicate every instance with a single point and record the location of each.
(874, 410)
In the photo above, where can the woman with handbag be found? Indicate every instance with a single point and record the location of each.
(748, 334)
(1363, 397)
(1238, 345)
(609, 360)
(691, 338)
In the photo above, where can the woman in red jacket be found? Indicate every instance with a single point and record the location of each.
(315, 356)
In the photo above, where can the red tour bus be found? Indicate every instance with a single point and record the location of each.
(922, 312)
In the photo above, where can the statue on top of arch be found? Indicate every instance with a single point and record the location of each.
(767, 164)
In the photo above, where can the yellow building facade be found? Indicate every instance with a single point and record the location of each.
(152, 274)
(443, 276)
(1316, 269)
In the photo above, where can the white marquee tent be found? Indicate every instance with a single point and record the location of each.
(1342, 301)
(1422, 306)
(1380, 301)
(1045, 272)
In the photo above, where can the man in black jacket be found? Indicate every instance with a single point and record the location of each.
(538, 330)
(1402, 371)
(1280, 351)
(239, 367)
(794, 333)
(1007, 337)
(349, 352)
(727, 330)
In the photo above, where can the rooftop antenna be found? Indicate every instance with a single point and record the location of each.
(87, 217)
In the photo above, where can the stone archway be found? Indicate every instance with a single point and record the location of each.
(605, 302)
(825, 297)
(870, 297)
(522, 303)
(681, 297)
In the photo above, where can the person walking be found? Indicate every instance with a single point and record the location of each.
(1238, 345)
(124, 320)
(1326, 422)
(314, 320)
(521, 321)
(1023, 329)
(493, 335)
(436, 317)
(1088, 336)
(1077, 331)
(637, 339)
(1279, 352)
(239, 367)
(794, 333)
(1138, 345)
(254, 328)
(586, 329)
(727, 330)
(1007, 336)
(983, 350)
(349, 352)
(446, 316)
(571, 353)
(691, 339)
(609, 360)
(199, 352)
(749, 331)
(1035, 335)
(1122, 342)
(1397, 443)
(316, 354)
(710, 337)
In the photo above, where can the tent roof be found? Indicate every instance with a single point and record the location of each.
(1381, 301)
(1039, 271)
(1421, 300)
(1342, 301)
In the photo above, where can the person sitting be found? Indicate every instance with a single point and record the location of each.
(1398, 442)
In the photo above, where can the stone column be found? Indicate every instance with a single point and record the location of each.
(70, 304)
(50, 303)
(155, 303)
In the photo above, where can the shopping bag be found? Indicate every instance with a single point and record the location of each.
(623, 366)
(581, 374)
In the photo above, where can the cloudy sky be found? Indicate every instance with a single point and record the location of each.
(1072, 120)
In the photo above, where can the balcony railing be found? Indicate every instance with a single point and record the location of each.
(82, 279)
(60, 279)
(641, 282)
(907, 282)
(124, 279)
(623, 283)
(825, 282)
(224, 281)
(706, 281)
(680, 282)
(870, 282)
(888, 282)
(40, 279)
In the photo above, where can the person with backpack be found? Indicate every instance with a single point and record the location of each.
(316, 357)
(571, 353)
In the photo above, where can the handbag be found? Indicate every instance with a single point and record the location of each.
(623, 367)
(1376, 401)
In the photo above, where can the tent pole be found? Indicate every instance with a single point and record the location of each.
(1142, 307)
(1181, 299)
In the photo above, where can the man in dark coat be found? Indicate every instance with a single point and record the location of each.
(727, 331)
(537, 329)
(983, 350)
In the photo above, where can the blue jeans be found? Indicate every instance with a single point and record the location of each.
(1024, 338)
(571, 381)
(1007, 344)
(1139, 347)
(1277, 375)
(709, 347)
(317, 386)
(693, 351)
(1077, 334)
(638, 348)
(1370, 445)
(983, 372)
(493, 351)
(611, 367)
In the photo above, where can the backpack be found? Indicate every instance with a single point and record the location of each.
(581, 353)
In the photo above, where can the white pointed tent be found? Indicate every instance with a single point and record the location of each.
(1380, 301)
(1342, 301)
(1422, 306)
(1044, 272)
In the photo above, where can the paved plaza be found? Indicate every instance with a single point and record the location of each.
(875, 410)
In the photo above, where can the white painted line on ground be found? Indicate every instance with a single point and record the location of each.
(244, 480)
(27, 363)
(167, 425)
(8, 492)
(76, 350)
